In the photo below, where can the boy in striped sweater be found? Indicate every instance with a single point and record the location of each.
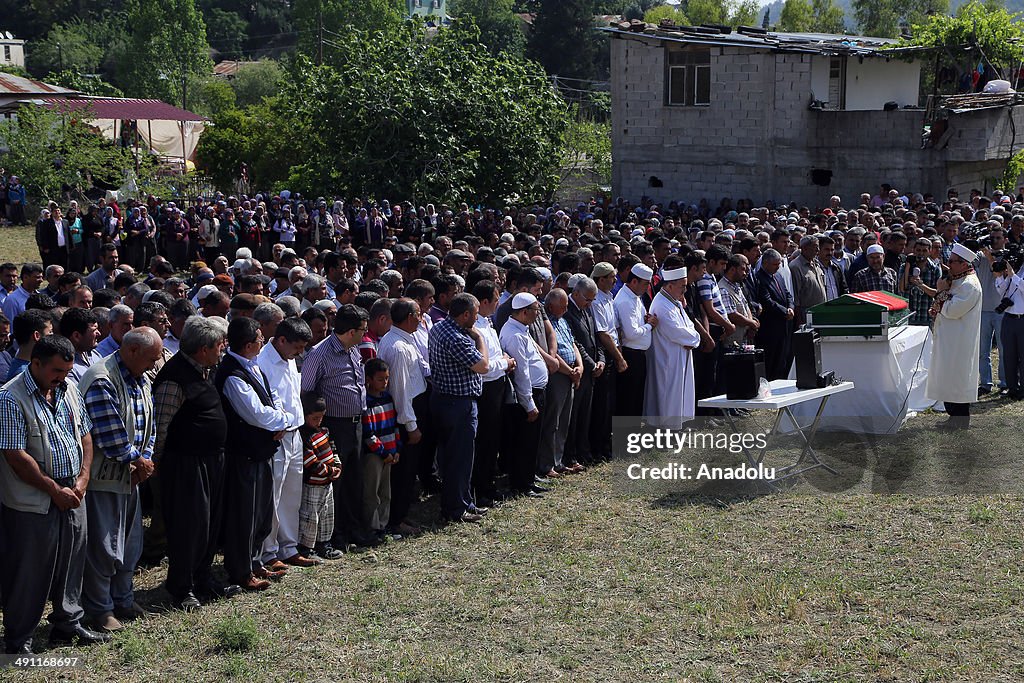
(320, 467)
(381, 444)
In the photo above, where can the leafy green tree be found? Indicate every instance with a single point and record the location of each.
(253, 82)
(57, 153)
(500, 28)
(820, 16)
(998, 34)
(655, 15)
(724, 12)
(226, 32)
(563, 38)
(828, 17)
(208, 95)
(72, 46)
(339, 18)
(882, 18)
(400, 116)
(167, 44)
(796, 16)
(88, 84)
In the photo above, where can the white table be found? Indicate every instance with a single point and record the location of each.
(890, 375)
(785, 396)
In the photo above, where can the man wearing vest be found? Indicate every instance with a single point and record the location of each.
(44, 472)
(189, 452)
(119, 402)
(256, 424)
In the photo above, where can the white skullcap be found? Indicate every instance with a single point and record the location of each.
(506, 237)
(544, 273)
(875, 249)
(523, 300)
(204, 292)
(964, 253)
(642, 271)
(675, 274)
(574, 279)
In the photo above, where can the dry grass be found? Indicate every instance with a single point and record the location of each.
(595, 583)
(18, 245)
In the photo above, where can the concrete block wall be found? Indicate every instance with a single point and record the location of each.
(758, 139)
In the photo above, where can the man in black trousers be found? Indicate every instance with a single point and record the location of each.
(776, 317)
(256, 422)
(189, 452)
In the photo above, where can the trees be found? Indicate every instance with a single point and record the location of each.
(400, 116)
(55, 153)
(341, 18)
(994, 34)
(167, 43)
(71, 46)
(256, 81)
(820, 16)
(563, 38)
(656, 14)
(881, 18)
(500, 28)
(725, 12)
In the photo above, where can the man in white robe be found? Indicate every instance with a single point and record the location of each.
(669, 395)
(953, 375)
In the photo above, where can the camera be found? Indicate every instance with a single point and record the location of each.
(1000, 263)
(1005, 302)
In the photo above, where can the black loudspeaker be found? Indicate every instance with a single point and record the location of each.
(744, 371)
(807, 353)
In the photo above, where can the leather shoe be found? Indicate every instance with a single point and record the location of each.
(554, 474)
(477, 510)
(530, 493)
(297, 560)
(328, 552)
(189, 603)
(537, 488)
(252, 583)
(469, 517)
(107, 623)
(77, 633)
(131, 612)
(369, 541)
(23, 649)
(215, 591)
(266, 574)
(277, 566)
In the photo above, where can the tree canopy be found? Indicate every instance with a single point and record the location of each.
(395, 114)
(988, 33)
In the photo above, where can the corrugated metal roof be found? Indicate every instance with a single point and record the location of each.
(16, 85)
(121, 108)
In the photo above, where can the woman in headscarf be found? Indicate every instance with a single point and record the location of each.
(177, 240)
(135, 230)
(75, 251)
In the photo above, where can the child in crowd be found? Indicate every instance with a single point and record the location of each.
(320, 468)
(380, 439)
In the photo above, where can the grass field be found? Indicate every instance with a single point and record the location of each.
(18, 245)
(600, 582)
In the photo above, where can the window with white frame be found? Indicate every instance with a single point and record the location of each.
(689, 76)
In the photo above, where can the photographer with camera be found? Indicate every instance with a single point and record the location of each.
(918, 280)
(1011, 307)
(993, 255)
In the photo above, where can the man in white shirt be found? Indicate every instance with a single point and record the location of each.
(635, 326)
(490, 403)
(277, 361)
(1010, 286)
(530, 378)
(408, 387)
(603, 404)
